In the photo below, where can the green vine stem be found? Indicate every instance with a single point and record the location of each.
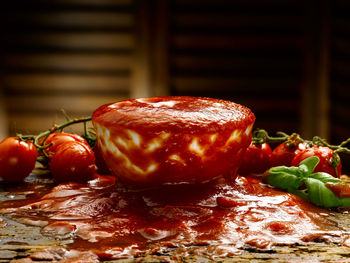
(261, 136)
(41, 146)
(341, 148)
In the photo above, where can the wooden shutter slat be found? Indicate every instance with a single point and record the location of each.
(64, 61)
(193, 41)
(76, 40)
(28, 83)
(72, 19)
(231, 63)
(203, 83)
(239, 21)
(75, 3)
(82, 104)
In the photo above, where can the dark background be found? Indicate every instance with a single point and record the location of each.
(289, 61)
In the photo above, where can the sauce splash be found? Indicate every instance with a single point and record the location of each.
(118, 223)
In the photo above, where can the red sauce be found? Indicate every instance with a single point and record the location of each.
(218, 161)
(225, 217)
(174, 113)
(172, 139)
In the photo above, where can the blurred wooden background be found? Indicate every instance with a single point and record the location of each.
(289, 61)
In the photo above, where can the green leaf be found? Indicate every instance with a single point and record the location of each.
(284, 180)
(319, 194)
(325, 177)
(309, 164)
(316, 191)
(285, 169)
(345, 202)
(301, 193)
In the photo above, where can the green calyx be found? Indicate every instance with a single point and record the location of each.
(302, 182)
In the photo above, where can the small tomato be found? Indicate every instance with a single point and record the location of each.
(284, 153)
(73, 162)
(56, 139)
(325, 155)
(256, 159)
(17, 159)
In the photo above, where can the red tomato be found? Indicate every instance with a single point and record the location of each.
(325, 154)
(17, 159)
(256, 159)
(58, 138)
(284, 153)
(100, 162)
(72, 162)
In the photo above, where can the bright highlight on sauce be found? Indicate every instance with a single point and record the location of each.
(183, 154)
(116, 223)
(164, 140)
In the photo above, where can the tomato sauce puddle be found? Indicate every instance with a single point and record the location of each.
(118, 223)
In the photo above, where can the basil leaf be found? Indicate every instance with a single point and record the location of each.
(301, 193)
(316, 191)
(325, 177)
(309, 164)
(285, 169)
(345, 202)
(319, 194)
(284, 180)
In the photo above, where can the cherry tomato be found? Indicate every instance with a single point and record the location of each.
(17, 159)
(101, 165)
(73, 162)
(256, 159)
(284, 153)
(325, 154)
(55, 139)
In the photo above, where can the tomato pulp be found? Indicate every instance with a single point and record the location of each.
(148, 142)
(117, 223)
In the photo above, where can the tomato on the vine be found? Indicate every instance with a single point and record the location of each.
(101, 165)
(73, 162)
(56, 139)
(17, 159)
(284, 153)
(325, 155)
(256, 159)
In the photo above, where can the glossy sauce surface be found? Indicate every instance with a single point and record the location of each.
(172, 139)
(116, 223)
(174, 113)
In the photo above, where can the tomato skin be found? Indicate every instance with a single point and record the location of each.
(284, 153)
(325, 154)
(101, 165)
(58, 138)
(72, 162)
(256, 159)
(17, 159)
